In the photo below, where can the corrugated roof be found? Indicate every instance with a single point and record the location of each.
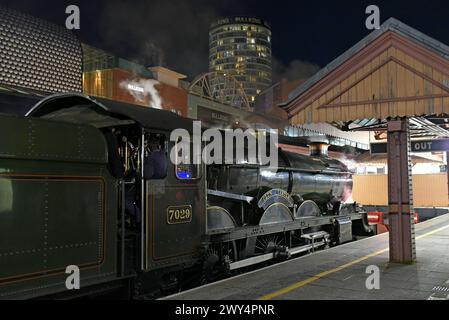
(391, 24)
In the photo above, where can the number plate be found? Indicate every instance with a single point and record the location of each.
(179, 215)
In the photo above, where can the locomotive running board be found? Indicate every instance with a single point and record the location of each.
(270, 256)
(228, 195)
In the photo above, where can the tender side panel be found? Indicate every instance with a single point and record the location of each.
(58, 207)
(49, 224)
(37, 139)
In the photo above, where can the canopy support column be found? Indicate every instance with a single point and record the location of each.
(447, 173)
(400, 200)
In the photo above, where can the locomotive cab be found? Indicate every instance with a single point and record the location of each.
(160, 220)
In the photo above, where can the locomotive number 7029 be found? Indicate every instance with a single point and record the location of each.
(179, 215)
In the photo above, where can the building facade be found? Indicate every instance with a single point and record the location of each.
(241, 47)
(38, 55)
(114, 78)
(212, 113)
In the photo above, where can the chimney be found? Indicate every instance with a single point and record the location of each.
(318, 146)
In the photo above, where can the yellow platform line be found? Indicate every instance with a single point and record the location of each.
(303, 283)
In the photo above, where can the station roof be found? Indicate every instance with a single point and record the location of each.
(394, 71)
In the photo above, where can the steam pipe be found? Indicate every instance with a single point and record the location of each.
(142, 202)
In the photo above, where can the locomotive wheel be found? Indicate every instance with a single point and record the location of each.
(268, 243)
(211, 259)
(215, 260)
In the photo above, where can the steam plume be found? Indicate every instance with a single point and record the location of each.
(141, 89)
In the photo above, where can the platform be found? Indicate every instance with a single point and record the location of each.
(340, 273)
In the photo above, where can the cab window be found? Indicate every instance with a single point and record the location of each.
(156, 160)
(185, 168)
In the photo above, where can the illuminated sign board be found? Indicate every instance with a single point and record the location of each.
(436, 145)
(135, 88)
(208, 115)
(220, 116)
(241, 20)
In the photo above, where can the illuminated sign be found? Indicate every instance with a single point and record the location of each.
(416, 146)
(247, 20)
(133, 87)
(207, 115)
(219, 116)
(241, 20)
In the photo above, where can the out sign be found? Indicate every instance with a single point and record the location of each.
(433, 145)
(422, 146)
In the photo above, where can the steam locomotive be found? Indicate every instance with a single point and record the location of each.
(73, 167)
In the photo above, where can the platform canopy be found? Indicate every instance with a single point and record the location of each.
(393, 72)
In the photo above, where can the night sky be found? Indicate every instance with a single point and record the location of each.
(306, 34)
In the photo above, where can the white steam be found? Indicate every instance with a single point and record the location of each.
(350, 163)
(141, 89)
(352, 166)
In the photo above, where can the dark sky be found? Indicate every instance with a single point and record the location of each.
(306, 34)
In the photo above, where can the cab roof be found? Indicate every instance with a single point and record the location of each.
(103, 113)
